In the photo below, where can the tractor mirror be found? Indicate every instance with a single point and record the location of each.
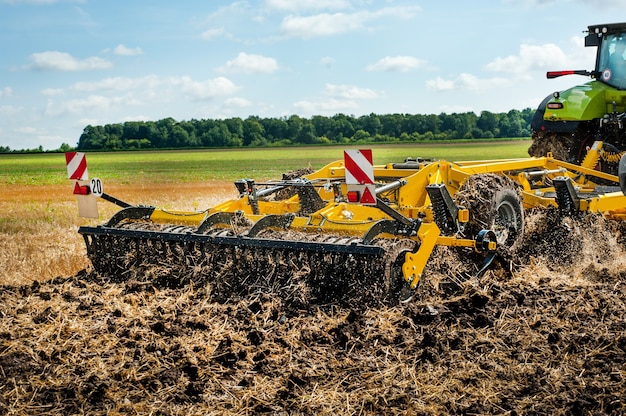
(622, 174)
(592, 39)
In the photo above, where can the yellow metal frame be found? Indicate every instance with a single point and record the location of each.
(411, 200)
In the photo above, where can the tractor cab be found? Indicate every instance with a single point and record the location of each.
(611, 56)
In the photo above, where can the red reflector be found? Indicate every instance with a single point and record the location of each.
(81, 190)
(367, 197)
(353, 196)
(555, 106)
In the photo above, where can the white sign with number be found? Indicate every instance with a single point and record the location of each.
(96, 187)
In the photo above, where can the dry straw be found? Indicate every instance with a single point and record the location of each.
(544, 335)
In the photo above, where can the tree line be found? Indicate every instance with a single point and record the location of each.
(255, 131)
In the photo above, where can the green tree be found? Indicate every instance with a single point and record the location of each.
(361, 136)
(253, 132)
(178, 137)
(488, 122)
(370, 124)
(235, 127)
(322, 125)
(391, 125)
(276, 129)
(343, 127)
(306, 135)
(219, 135)
(65, 148)
(294, 125)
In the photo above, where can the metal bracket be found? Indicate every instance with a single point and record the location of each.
(279, 221)
(486, 240)
(405, 226)
(130, 213)
(215, 218)
(380, 227)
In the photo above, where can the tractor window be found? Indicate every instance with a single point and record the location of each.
(612, 60)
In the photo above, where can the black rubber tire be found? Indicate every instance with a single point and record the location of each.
(495, 204)
(507, 217)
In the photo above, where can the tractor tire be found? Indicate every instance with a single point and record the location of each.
(559, 144)
(495, 204)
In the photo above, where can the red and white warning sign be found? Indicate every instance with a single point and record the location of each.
(360, 176)
(77, 171)
(359, 167)
(76, 166)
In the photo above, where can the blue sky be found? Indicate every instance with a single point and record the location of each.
(66, 64)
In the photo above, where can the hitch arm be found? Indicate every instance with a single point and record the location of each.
(414, 263)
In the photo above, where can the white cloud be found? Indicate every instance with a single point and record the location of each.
(326, 24)
(250, 63)
(302, 5)
(125, 51)
(119, 84)
(61, 61)
(52, 92)
(92, 103)
(546, 57)
(112, 94)
(327, 61)
(207, 89)
(520, 67)
(328, 106)
(593, 4)
(211, 34)
(321, 25)
(6, 92)
(136, 118)
(465, 82)
(336, 98)
(237, 102)
(10, 110)
(152, 85)
(530, 57)
(349, 92)
(396, 63)
(30, 1)
(88, 122)
(30, 130)
(440, 84)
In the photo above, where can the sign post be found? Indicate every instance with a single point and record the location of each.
(76, 163)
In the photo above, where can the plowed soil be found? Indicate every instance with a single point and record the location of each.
(541, 333)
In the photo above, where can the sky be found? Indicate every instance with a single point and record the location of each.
(67, 64)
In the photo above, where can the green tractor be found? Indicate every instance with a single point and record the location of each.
(568, 122)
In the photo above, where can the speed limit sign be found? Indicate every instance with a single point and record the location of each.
(96, 187)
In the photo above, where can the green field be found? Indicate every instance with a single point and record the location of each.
(203, 165)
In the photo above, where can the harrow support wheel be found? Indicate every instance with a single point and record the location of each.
(395, 288)
(495, 204)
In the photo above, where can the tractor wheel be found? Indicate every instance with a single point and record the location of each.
(559, 144)
(495, 204)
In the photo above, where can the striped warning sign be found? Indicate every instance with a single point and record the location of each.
(359, 167)
(76, 166)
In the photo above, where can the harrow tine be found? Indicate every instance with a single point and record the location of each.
(329, 269)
